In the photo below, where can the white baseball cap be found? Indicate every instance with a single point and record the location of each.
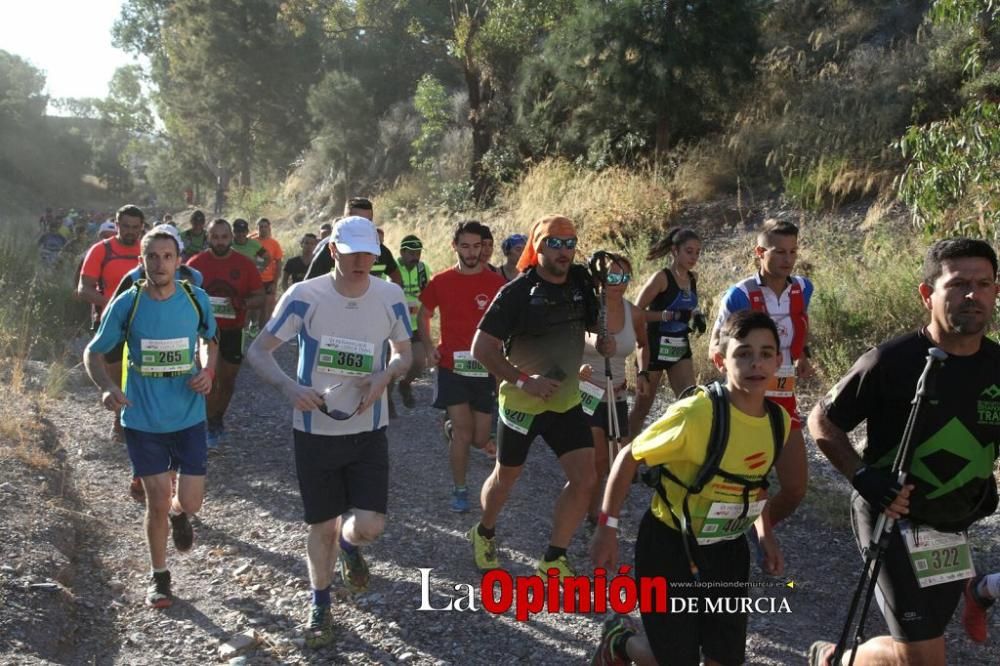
(108, 226)
(356, 234)
(169, 229)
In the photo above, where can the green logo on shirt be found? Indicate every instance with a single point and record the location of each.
(988, 406)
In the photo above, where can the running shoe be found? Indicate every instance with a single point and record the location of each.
(158, 593)
(406, 393)
(460, 500)
(484, 550)
(183, 534)
(561, 563)
(136, 491)
(974, 611)
(820, 653)
(319, 629)
(353, 570)
(614, 627)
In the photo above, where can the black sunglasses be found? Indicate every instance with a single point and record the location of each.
(335, 414)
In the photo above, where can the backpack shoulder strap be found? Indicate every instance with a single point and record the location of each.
(777, 415)
(189, 292)
(137, 287)
(718, 437)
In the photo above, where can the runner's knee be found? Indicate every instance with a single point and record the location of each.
(368, 526)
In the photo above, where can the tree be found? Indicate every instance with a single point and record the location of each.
(339, 106)
(22, 99)
(610, 86)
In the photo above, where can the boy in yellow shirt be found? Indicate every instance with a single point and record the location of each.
(692, 535)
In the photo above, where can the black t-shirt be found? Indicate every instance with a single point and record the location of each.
(322, 262)
(956, 437)
(543, 325)
(296, 267)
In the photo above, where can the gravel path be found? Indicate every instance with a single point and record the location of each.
(73, 528)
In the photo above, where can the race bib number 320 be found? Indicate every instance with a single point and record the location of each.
(342, 356)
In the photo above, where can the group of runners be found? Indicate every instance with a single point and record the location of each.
(544, 343)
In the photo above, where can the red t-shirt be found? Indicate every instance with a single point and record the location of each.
(224, 278)
(462, 299)
(109, 268)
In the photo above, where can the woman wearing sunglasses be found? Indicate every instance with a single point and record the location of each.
(626, 324)
(670, 303)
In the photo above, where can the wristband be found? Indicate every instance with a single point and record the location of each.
(605, 519)
(521, 379)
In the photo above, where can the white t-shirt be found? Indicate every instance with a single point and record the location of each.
(341, 340)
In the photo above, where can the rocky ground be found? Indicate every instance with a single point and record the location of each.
(73, 568)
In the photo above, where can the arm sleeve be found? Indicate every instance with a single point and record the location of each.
(92, 262)
(289, 313)
(401, 329)
(111, 332)
(732, 301)
(665, 440)
(500, 319)
(206, 327)
(428, 295)
(856, 395)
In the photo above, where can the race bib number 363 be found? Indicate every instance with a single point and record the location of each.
(342, 356)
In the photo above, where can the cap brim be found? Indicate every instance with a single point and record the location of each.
(353, 248)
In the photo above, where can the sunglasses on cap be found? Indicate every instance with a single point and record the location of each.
(554, 243)
(613, 279)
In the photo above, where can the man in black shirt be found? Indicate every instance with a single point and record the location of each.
(296, 267)
(322, 262)
(950, 483)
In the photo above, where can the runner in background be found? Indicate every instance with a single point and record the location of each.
(106, 262)
(269, 276)
(512, 247)
(195, 238)
(233, 285)
(488, 250)
(415, 276)
(295, 268)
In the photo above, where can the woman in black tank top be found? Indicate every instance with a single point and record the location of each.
(669, 300)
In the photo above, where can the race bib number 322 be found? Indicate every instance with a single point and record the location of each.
(342, 356)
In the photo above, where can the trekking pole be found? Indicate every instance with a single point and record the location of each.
(883, 525)
(599, 264)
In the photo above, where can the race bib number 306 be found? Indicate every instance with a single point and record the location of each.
(222, 307)
(467, 366)
(342, 356)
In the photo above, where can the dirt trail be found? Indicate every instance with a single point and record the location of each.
(247, 570)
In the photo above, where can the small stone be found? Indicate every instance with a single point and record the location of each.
(238, 644)
(238, 661)
(242, 569)
(406, 656)
(298, 642)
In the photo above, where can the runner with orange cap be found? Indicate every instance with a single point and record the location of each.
(532, 338)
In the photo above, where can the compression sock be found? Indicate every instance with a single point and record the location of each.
(347, 546)
(553, 553)
(989, 587)
(483, 532)
(321, 597)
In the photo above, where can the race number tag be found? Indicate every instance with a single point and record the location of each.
(165, 357)
(671, 348)
(937, 557)
(723, 522)
(516, 421)
(782, 385)
(222, 307)
(341, 356)
(590, 397)
(467, 366)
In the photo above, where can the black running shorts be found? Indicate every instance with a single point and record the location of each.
(599, 419)
(680, 639)
(562, 431)
(452, 389)
(341, 472)
(912, 613)
(231, 345)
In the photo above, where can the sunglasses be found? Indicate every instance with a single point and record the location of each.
(559, 243)
(335, 414)
(617, 278)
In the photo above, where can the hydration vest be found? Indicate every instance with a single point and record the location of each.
(797, 311)
(718, 439)
(109, 256)
(414, 281)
